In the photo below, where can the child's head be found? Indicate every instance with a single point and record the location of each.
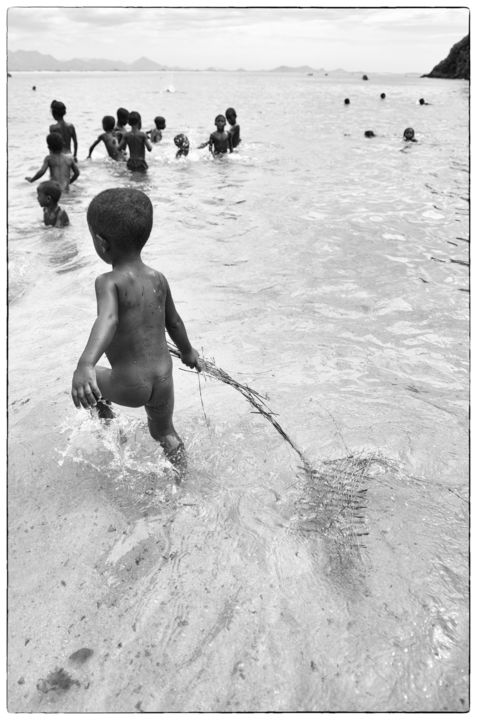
(422, 101)
(382, 96)
(346, 101)
(54, 142)
(231, 116)
(108, 123)
(123, 115)
(58, 109)
(49, 193)
(408, 133)
(120, 221)
(134, 119)
(369, 133)
(160, 122)
(219, 122)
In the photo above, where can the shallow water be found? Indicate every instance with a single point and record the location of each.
(329, 272)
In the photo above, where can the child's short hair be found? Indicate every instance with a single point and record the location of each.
(230, 112)
(134, 118)
(51, 188)
(160, 122)
(122, 216)
(58, 109)
(54, 142)
(108, 123)
(219, 117)
(123, 115)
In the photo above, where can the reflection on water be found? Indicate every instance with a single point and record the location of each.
(335, 283)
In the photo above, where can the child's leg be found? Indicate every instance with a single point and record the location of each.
(159, 411)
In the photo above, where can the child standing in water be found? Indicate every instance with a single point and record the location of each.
(49, 193)
(109, 139)
(155, 134)
(234, 132)
(66, 130)
(219, 141)
(122, 120)
(136, 141)
(135, 307)
(62, 167)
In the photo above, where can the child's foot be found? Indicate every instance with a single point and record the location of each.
(104, 410)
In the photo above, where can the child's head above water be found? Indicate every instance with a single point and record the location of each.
(231, 115)
(108, 123)
(122, 115)
(48, 191)
(134, 119)
(219, 122)
(408, 134)
(54, 142)
(120, 222)
(58, 109)
(160, 122)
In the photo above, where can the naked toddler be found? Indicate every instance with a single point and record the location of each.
(135, 308)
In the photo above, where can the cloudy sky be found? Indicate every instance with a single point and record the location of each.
(387, 39)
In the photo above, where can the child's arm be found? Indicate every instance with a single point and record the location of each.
(62, 220)
(147, 142)
(40, 172)
(75, 142)
(96, 142)
(122, 142)
(204, 144)
(75, 171)
(84, 390)
(176, 329)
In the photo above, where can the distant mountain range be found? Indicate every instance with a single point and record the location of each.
(32, 61)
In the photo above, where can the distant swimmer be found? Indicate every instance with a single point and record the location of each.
(408, 135)
(109, 139)
(49, 193)
(219, 141)
(365, 77)
(234, 132)
(369, 133)
(62, 167)
(134, 309)
(120, 128)
(33, 88)
(346, 101)
(383, 96)
(155, 135)
(66, 130)
(136, 141)
(182, 142)
(423, 102)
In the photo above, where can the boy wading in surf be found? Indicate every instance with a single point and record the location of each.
(135, 307)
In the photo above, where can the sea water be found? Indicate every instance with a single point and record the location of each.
(329, 272)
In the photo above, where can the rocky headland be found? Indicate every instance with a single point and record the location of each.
(457, 63)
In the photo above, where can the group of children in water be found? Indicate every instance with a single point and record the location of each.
(62, 160)
(134, 302)
(408, 134)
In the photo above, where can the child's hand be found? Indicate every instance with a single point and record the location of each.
(29, 179)
(84, 390)
(191, 359)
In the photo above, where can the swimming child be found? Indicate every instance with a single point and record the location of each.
(66, 130)
(219, 141)
(369, 133)
(122, 120)
(423, 102)
(62, 167)
(383, 96)
(182, 142)
(135, 308)
(408, 135)
(136, 141)
(155, 134)
(49, 193)
(234, 132)
(346, 101)
(109, 138)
